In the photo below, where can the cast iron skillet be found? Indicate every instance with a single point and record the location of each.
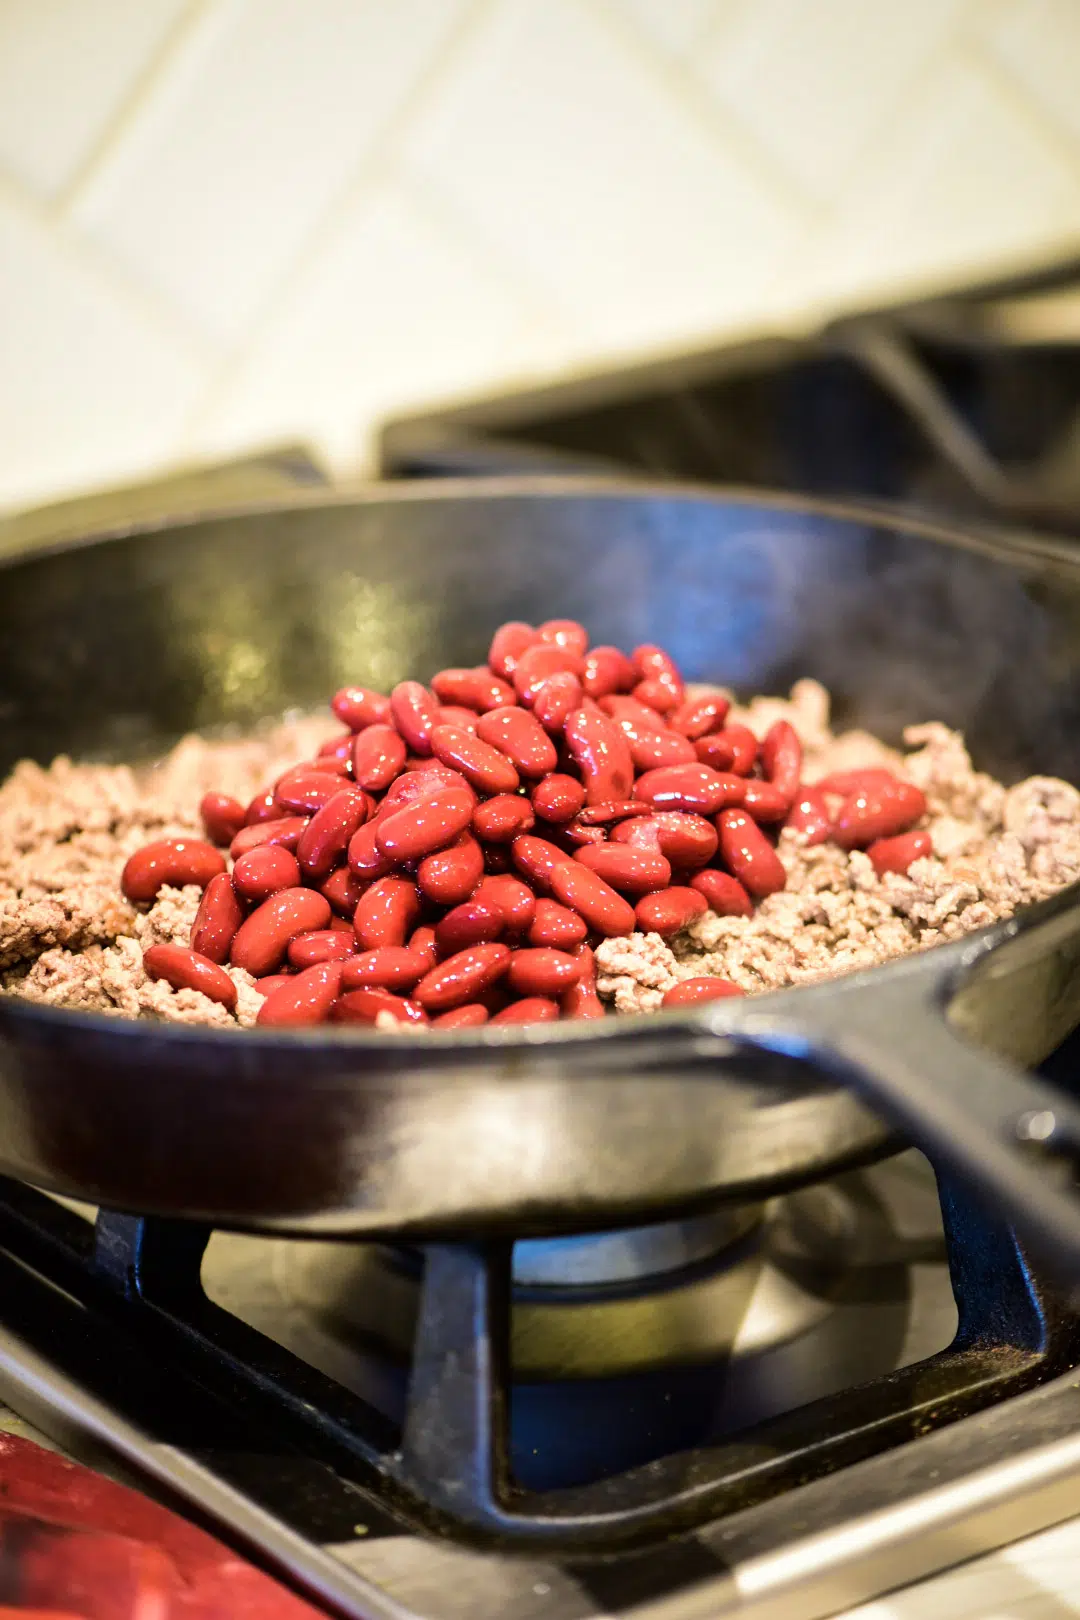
(113, 648)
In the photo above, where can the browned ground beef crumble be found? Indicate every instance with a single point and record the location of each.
(69, 938)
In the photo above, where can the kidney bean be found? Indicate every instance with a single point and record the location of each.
(531, 1010)
(696, 788)
(336, 747)
(366, 859)
(601, 753)
(514, 899)
(188, 970)
(869, 779)
(658, 695)
(357, 707)
(660, 678)
(304, 790)
(809, 815)
(717, 751)
(481, 765)
(320, 945)
(474, 922)
(537, 858)
(631, 871)
(581, 1000)
(897, 854)
(558, 798)
(450, 875)
(745, 746)
(270, 982)
(222, 816)
(610, 812)
(749, 855)
(575, 835)
(217, 919)
(566, 633)
(475, 689)
(684, 839)
(263, 807)
(364, 1006)
(507, 645)
(725, 895)
(471, 1016)
(877, 813)
(429, 776)
(556, 926)
(520, 736)
(607, 670)
(176, 861)
(764, 801)
(386, 912)
(670, 911)
(343, 890)
(463, 977)
(540, 663)
(781, 757)
(707, 988)
(542, 971)
(377, 757)
(464, 719)
(414, 711)
(325, 839)
(422, 943)
(555, 698)
(696, 717)
(339, 925)
(586, 893)
(423, 827)
(304, 1000)
(390, 967)
(261, 942)
(262, 872)
(331, 765)
(501, 819)
(284, 832)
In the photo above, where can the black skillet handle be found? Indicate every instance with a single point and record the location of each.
(893, 1037)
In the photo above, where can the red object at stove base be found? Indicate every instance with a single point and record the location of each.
(76, 1546)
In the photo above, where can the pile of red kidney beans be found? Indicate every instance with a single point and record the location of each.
(452, 857)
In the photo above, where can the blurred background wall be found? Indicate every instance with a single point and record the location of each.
(228, 222)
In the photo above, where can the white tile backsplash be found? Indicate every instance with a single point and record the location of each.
(223, 220)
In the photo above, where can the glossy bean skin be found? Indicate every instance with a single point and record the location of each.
(556, 926)
(507, 645)
(658, 673)
(558, 798)
(610, 811)
(530, 1010)
(338, 751)
(320, 945)
(749, 855)
(716, 750)
(484, 767)
(685, 839)
(414, 712)
(809, 815)
(500, 820)
(781, 757)
(725, 894)
(422, 943)
(449, 876)
(607, 670)
(424, 827)
(474, 922)
(743, 745)
(263, 871)
(513, 898)
(304, 1000)
(583, 891)
(185, 969)
(471, 1016)
(575, 835)
(631, 871)
(581, 1000)
(429, 776)
(366, 860)
(519, 736)
(378, 755)
(263, 807)
(669, 912)
(556, 698)
(602, 755)
(695, 788)
(386, 913)
(337, 764)
(358, 707)
(343, 890)
(476, 689)
(764, 801)
(688, 992)
(217, 919)
(302, 791)
(878, 813)
(565, 633)
(465, 719)
(284, 831)
(537, 859)
(270, 982)
(261, 942)
(324, 840)
(175, 861)
(896, 854)
(537, 664)
(542, 971)
(867, 779)
(364, 1006)
(222, 816)
(390, 967)
(463, 977)
(696, 717)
